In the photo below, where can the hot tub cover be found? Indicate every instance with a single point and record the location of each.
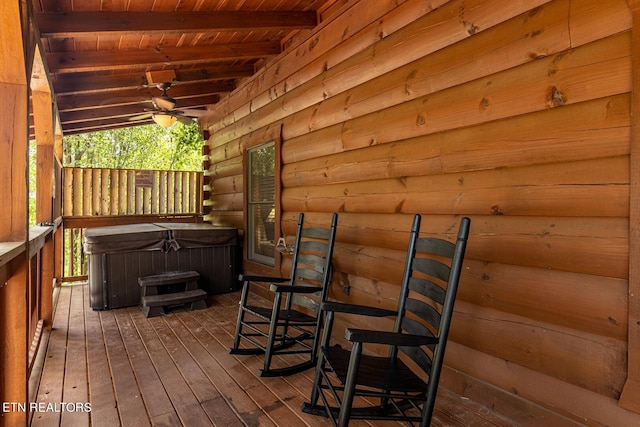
(124, 238)
(187, 235)
(157, 236)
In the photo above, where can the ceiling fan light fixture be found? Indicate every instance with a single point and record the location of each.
(164, 120)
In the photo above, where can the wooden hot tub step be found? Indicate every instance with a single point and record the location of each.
(153, 301)
(153, 305)
(188, 277)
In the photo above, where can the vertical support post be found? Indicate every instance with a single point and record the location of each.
(14, 355)
(16, 50)
(43, 119)
(46, 279)
(630, 397)
(58, 245)
(45, 135)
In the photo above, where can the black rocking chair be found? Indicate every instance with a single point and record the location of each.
(292, 326)
(403, 385)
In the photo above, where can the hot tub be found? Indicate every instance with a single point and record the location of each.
(118, 255)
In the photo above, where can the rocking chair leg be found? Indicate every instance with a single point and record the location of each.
(236, 340)
(272, 335)
(243, 301)
(350, 385)
(317, 383)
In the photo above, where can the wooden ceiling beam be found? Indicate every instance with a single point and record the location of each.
(71, 84)
(135, 96)
(87, 127)
(101, 113)
(61, 25)
(129, 110)
(67, 84)
(78, 61)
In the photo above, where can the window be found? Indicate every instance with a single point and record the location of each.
(261, 203)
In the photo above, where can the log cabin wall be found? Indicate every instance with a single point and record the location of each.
(514, 113)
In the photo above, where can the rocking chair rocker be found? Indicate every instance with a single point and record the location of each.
(401, 388)
(293, 324)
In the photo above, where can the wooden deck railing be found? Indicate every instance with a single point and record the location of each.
(97, 197)
(91, 192)
(26, 290)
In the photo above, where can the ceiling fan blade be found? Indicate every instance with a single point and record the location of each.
(184, 120)
(193, 112)
(140, 117)
(164, 103)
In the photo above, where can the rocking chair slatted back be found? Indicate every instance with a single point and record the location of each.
(402, 386)
(291, 326)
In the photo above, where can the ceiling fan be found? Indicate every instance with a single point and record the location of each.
(165, 113)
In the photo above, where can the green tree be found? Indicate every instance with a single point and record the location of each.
(138, 147)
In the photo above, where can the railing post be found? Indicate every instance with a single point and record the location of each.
(16, 51)
(14, 318)
(46, 279)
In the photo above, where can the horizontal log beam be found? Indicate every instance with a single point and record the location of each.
(79, 120)
(127, 110)
(70, 62)
(67, 84)
(101, 113)
(135, 96)
(60, 25)
(76, 128)
(560, 244)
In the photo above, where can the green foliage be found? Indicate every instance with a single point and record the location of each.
(32, 182)
(138, 147)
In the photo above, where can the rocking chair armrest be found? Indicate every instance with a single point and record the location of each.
(357, 309)
(294, 289)
(389, 338)
(263, 279)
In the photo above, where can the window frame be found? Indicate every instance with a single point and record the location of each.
(254, 266)
(253, 253)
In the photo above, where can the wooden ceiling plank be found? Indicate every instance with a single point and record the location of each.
(85, 5)
(63, 25)
(141, 5)
(98, 51)
(114, 5)
(113, 59)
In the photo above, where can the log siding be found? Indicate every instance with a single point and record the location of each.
(517, 114)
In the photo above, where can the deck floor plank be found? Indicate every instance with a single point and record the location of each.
(153, 393)
(175, 370)
(128, 397)
(217, 321)
(182, 398)
(52, 380)
(75, 379)
(222, 408)
(104, 412)
(222, 373)
(301, 383)
(277, 400)
(195, 378)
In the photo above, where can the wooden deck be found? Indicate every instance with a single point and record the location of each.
(175, 370)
